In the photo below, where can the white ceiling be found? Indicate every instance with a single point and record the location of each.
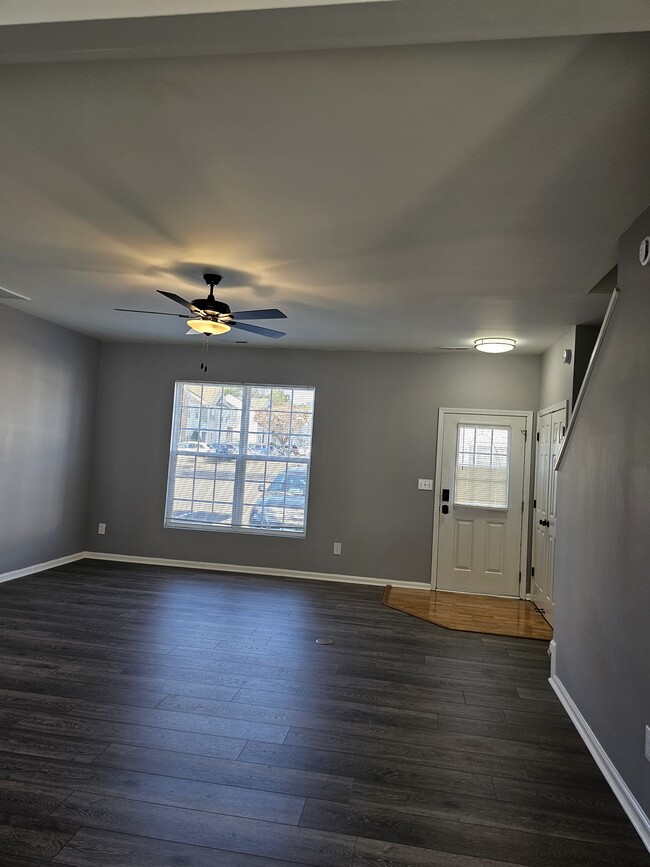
(394, 197)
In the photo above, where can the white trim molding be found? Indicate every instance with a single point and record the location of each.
(551, 652)
(616, 782)
(563, 404)
(256, 570)
(40, 567)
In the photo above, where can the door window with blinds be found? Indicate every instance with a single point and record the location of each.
(482, 466)
(239, 458)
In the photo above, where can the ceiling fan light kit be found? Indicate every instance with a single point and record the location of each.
(495, 344)
(208, 326)
(209, 316)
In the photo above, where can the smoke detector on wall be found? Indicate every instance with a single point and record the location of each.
(644, 251)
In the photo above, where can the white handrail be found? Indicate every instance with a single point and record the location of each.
(585, 381)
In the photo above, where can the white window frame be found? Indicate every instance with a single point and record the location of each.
(457, 502)
(240, 459)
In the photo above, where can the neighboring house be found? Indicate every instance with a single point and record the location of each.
(212, 416)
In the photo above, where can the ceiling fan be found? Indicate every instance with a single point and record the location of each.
(209, 316)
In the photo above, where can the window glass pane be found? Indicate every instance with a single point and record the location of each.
(282, 503)
(239, 457)
(482, 466)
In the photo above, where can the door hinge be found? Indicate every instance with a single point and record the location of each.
(534, 504)
(522, 505)
(563, 429)
(532, 571)
(537, 436)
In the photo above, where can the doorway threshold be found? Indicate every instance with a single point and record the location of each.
(469, 612)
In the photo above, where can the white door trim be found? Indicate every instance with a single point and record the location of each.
(563, 404)
(525, 518)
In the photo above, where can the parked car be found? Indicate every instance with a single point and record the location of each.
(195, 447)
(282, 504)
(224, 449)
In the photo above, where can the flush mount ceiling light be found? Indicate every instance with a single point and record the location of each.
(208, 326)
(495, 344)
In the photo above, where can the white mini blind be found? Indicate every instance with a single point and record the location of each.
(239, 458)
(482, 466)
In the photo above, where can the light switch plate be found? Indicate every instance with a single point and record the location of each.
(425, 484)
(647, 743)
(337, 548)
(101, 529)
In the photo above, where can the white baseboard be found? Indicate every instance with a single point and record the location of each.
(615, 780)
(255, 570)
(40, 567)
(552, 648)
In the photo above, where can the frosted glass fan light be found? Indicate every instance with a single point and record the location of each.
(208, 326)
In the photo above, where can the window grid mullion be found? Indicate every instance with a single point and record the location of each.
(239, 485)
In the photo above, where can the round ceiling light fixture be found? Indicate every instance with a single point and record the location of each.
(495, 344)
(208, 326)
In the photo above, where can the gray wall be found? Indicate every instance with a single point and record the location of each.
(48, 387)
(374, 435)
(602, 591)
(586, 337)
(557, 377)
(562, 381)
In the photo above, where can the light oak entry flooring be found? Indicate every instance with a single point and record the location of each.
(469, 612)
(152, 717)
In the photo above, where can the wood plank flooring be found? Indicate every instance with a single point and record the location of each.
(470, 612)
(161, 717)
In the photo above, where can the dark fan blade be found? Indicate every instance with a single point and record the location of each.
(260, 314)
(154, 312)
(179, 300)
(255, 329)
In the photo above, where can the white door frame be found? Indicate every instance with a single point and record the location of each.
(563, 404)
(547, 410)
(525, 516)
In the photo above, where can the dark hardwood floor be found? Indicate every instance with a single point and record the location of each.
(161, 717)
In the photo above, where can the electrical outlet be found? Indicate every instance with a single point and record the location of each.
(337, 548)
(101, 529)
(647, 743)
(425, 484)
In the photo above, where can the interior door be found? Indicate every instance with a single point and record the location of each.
(551, 427)
(480, 500)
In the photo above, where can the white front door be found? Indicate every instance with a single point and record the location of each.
(551, 427)
(479, 498)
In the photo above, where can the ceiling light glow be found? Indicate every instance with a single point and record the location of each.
(208, 326)
(495, 344)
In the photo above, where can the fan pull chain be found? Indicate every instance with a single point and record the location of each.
(204, 355)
